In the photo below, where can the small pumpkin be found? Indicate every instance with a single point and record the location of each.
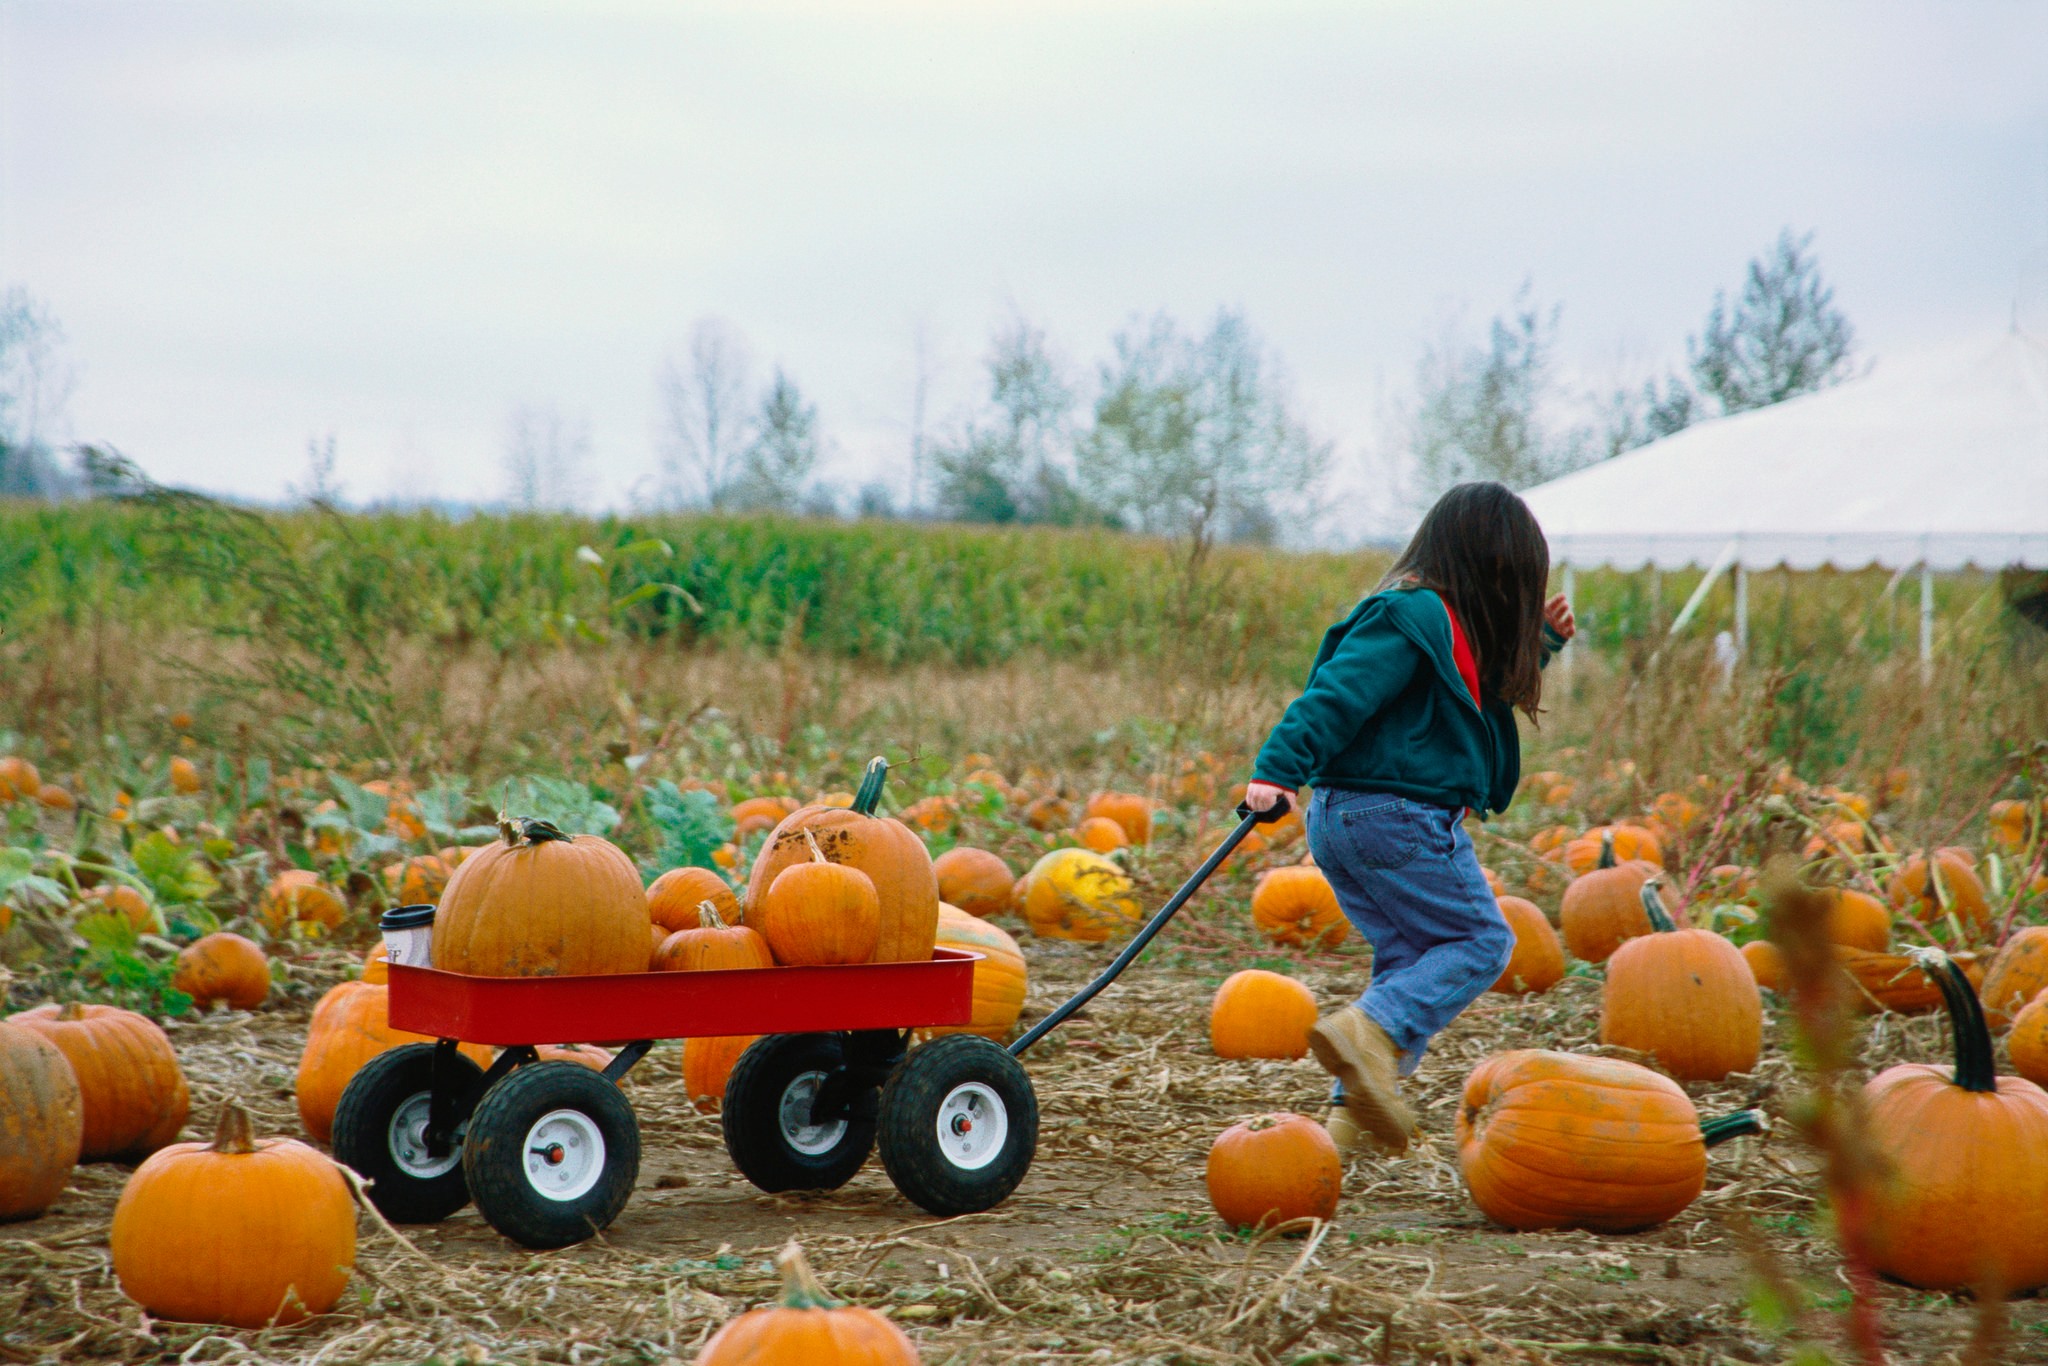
(236, 1231)
(223, 967)
(350, 1026)
(712, 946)
(934, 815)
(975, 880)
(2017, 975)
(1890, 981)
(820, 913)
(1952, 887)
(129, 1082)
(18, 779)
(419, 880)
(42, 1123)
(1560, 1140)
(1000, 976)
(377, 964)
(1048, 813)
(298, 897)
(1261, 1014)
(1592, 849)
(1964, 1199)
(538, 903)
(807, 1328)
(54, 798)
(1766, 964)
(707, 1065)
(1603, 907)
(1858, 919)
(1687, 997)
(1079, 894)
(2027, 1042)
(1537, 963)
(2014, 824)
(1271, 1169)
(673, 898)
(1101, 834)
(587, 1054)
(184, 774)
(1131, 811)
(401, 813)
(126, 902)
(1295, 905)
(887, 851)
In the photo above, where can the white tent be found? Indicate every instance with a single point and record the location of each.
(1940, 469)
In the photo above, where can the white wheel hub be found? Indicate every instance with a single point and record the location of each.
(564, 1154)
(974, 1124)
(812, 1140)
(407, 1139)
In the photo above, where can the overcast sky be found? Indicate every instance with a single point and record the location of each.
(396, 222)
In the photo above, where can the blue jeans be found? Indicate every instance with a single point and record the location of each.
(1407, 879)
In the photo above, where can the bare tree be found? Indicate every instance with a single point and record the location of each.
(920, 393)
(323, 488)
(545, 453)
(705, 422)
(35, 387)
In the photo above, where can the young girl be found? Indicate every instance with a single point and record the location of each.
(1407, 722)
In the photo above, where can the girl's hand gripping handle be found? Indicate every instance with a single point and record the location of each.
(1263, 797)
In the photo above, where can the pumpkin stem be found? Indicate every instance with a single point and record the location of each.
(1660, 919)
(1976, 1069)
(1607, 848)
(528, 830)
(1738, 1125)
(72, 1011)
(800, 1286)
(817, 854)
(708, 917)
(870, 794)
(232, 1134)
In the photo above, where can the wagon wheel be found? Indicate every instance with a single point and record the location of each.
(551, 1154)
(959, 1125)
(771, 1130)
(380, 1133)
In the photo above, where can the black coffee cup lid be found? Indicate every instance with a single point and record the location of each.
(406, 918)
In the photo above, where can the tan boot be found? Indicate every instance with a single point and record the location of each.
(1349, 1138)
(1353, 1048)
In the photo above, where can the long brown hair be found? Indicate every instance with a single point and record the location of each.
(1481, 550)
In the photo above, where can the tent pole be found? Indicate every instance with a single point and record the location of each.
(1699, 594)
(1926, 624)
(1741, 612)
(1570, 588)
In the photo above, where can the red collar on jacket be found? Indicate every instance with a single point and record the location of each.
(1461, 652)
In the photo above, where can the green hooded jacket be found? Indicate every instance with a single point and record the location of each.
(1385, 710)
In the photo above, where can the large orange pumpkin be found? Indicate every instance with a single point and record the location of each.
(1858, 919)
(2017, 975)
(1604, 906)
(807, 1328)
(712, 946)
(1687, 997)
(707, 1065)
(235, 1231)
(540, 904)
(1561, 1140)
(887, 851)
(975, 880)
(225, 968)
(673, 898)
(2027, 1043)
(1295, 905)
(350, 1026)
(1000, 977)
(129, 1082)
(1963, 1200)
(298, 897)
(1537, 963)
(1891, 981)
(42, 1123)
(1078, 894)
(1261, 1014)
(819, 913)
(1604, 845)
(1954, 887)
(1271, 1169)
(1131, 811)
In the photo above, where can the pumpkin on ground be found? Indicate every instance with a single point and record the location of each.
(1271, 1169)
(236, 1231)
(1686, 997)
(1295, 906)
(1101, 834)
(1131, 811)
(1858, 919)
(756, 814)
(350, 1026)
(1964, 1202)
(707, 1065)
(712, 946)
(298, 897)
(129, 1081)
(1560, 1140)
(1954, 887)
(1048, 813)
(2027, 1042)
(419, 880)
(1766, 964)
(377, 963)
(1261, 1014)
(1079, 894)
(673, 898)
(887, 851)
(1537, 963)
(807, 1328)
(184, 775)
(819, 913)
(975, 880)
(18, 779)
(1891, 981)
(42, 1123)
(223, 967)
(54, 798)
(537, 903)
(1603, 907)
(1605, 845)
(2017, 975)
(1000, 978)
(128, 903)
(588, 1054)
(2014, 824)
(934, 815)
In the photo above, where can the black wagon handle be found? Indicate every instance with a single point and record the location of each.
(1247, 818)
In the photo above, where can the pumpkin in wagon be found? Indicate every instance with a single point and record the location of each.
(42, 1123)
(129, 1082)
(1687, 997)
(538, 903)
(712, 946)
(673, 898)
(819, 913)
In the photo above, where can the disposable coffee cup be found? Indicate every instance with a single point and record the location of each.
(409, 935)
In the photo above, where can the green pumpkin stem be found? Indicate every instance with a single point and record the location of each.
(1738, 1125)
(708, 917)
(800, 1286)
(528, 830)
(1606, 848)
(869, 797)
(1976, 1068)
(1653, 905)
(233, 1134)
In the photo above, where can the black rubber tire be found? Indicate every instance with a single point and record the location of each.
(913, 1152)
(495, 1156)
(751, 1117)
(363, 1141)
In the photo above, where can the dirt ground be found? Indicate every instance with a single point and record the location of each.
(1108, 1252)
